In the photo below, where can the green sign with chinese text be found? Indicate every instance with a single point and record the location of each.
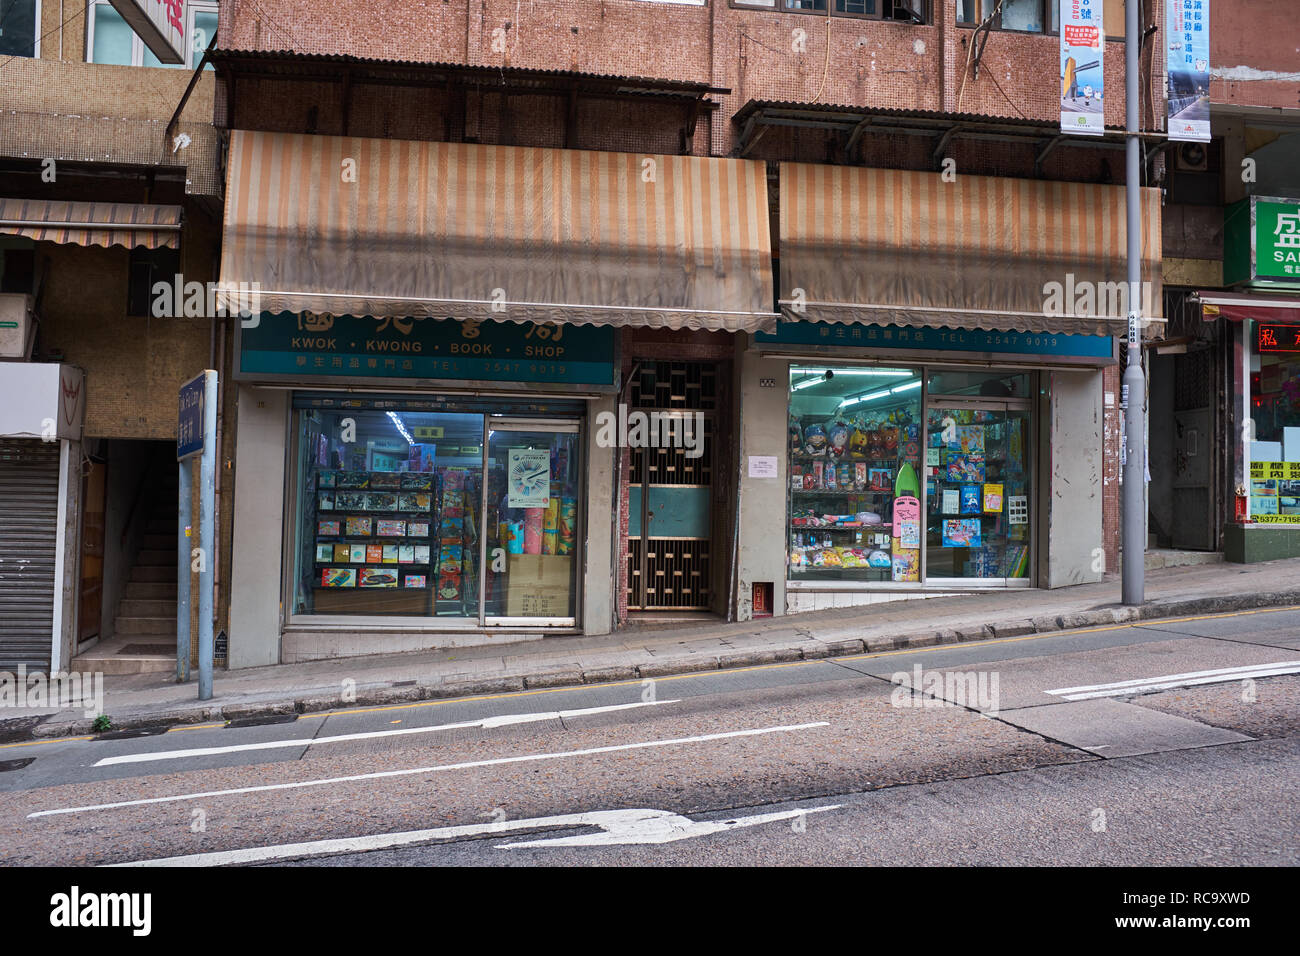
(292, 346)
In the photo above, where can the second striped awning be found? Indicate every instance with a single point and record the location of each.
(92, 223)
(394, 228)
(897, 247)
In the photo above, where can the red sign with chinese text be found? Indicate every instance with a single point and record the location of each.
(1277, 338)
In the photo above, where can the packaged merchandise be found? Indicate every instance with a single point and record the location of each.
(377, 578)
(533, 518)
(415, 581)
(358, 554)
(388, 528)
(568, 524)
(338, 578)
(324, 553)
(328, 527)
(390, 554)
(343, 553)
(374, 554)
(406, 554)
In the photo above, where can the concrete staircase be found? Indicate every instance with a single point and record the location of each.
(144, 633)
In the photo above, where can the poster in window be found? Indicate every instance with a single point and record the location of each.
(528, 477)
(993, 499)
(961, 533)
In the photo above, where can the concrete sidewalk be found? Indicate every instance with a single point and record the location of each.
(641, 651)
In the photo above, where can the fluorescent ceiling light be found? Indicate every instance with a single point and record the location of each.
(401, 428)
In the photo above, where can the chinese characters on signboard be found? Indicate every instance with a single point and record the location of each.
(1277, 338)
(1187, 58)
(1082, 54)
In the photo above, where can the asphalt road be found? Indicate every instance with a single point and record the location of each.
(1169, 742)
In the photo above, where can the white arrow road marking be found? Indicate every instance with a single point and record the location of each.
(486, 723)
(626, 827)
(498, 761)
(618, 828)
(1143, 684)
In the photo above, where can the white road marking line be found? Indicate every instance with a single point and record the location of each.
(486, 723)
(1167, 681)
(618, 828)
(523, 758)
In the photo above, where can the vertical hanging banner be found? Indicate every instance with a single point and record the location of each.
(1188, 66)
(1082, 40)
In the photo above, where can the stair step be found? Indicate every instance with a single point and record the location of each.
(158, 573)
(147, 607)
(153, 559)
(144, 625)
(151, 590)
(158, 542)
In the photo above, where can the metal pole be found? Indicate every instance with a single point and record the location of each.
(207, 504)
(183, 516)
(1134, 391)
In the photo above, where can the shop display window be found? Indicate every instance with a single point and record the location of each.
(855, 465)
(978, 491)
(1275, 415)
(388, 513)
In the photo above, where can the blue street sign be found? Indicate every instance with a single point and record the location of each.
(189, 420)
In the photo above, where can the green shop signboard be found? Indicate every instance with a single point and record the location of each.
(1084, 349)
(1262, 243)
(289, 346)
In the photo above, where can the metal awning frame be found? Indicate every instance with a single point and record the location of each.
(757, 117)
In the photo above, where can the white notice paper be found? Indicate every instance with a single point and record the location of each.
(762, 466)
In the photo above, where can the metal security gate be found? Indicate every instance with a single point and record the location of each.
(670, 493)
(29, 507)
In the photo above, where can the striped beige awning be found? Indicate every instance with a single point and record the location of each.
(92, 223)
(894, 247)
(392, 228)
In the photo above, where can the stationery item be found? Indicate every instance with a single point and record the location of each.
(325, 479)
(993, 499)
(415, 581)
(385, 479)
(325, 501)
(358, 527)
(961, 533)
(324, 553)
(1018, 509)
(514, 537)
(414, 501)
(881, 479)
(906, 565)
(353, 479)
(448, 587)
(390, 528)
(374, 554)
(358, 554)
(342, 554)
(390, 553)
(406, 554)
(417, 481)
(328, 527)
(338, 578)
(533, 530)
(971, 503)
(418, 529)
(951, 501)
(860, 476)
(421, 554)
(381, 501)
(551, 526)
(350, 501)
(377, 578)
(796, 476)
(828, 476)
(568, 524)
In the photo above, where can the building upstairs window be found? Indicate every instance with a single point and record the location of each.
(1031, 16)
(913, 11)
(109, 39)
(20, 28)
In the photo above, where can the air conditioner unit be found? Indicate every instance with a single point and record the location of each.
(1192, 158)
(17, 326)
